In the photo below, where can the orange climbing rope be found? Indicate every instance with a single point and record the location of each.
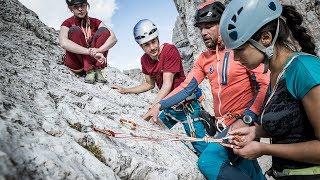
(130, 124)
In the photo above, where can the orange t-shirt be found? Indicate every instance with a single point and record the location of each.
(234, 87)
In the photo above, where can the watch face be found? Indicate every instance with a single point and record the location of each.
(247, 119)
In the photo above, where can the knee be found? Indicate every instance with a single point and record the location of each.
(207, 165)
(206, 159)
(103, 31)
(75, 32)
(202, 161)
(213, 155)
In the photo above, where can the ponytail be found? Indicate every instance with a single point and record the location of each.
(294, 20)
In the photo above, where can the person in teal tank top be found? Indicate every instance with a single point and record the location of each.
(263, 31)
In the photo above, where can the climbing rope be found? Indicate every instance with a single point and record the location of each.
(130, 124)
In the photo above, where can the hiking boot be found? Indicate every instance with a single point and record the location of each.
(90, 77)
(100, 77)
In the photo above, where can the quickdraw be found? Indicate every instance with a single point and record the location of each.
(129, 123)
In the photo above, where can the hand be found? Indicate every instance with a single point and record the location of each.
(153, 113)
(93, 51)
(252, 150)
(242, 136)
(237, 125)
(100, 57)
(119, 89)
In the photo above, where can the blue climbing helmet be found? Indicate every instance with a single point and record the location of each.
(243, 18)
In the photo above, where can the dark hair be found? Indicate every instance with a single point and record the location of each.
(290, 26)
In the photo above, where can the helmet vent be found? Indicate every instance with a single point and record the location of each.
(234, 18)
(204, 14)
(233, 35)
(240, 10)
(152, 31)
(231, 26)
(272, 6)
(140, 37)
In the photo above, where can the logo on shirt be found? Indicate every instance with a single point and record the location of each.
(211, 69)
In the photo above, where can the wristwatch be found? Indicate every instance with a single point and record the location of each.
(247, 120)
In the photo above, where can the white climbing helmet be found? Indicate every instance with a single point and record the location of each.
(243, 18)
(145, 31)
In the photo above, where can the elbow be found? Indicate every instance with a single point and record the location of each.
(114, 40)
(151, 86)
(63, 44)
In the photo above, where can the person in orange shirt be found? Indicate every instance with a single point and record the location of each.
(235, 89)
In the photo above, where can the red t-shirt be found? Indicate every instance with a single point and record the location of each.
(74, 21)
(169, 61)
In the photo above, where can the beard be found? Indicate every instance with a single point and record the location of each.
(210, 43)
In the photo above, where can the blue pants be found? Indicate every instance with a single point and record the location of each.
(214, 164)
(170, 117)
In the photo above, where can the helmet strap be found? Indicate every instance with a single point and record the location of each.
(267, 51)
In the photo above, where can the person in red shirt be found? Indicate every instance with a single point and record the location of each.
(162, 66)
(86, 41)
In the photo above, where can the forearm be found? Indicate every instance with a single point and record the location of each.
(260, 132)
(308, 152)
(111, 41)
(139, 89)
(163, 92)
(180, 93)
(73, 47)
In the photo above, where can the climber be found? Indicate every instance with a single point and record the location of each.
(86, 41)
(267, 32)
(162, 65)
(235, 89)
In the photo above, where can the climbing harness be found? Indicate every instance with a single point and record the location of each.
(226, 120)
(188, 109)
(208, 122)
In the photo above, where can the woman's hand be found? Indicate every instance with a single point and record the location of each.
(242, 136)
(252, 150)
(100, 58)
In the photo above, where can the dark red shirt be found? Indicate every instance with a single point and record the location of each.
(169, 61)
(74, 21)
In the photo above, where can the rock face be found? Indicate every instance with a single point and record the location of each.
(185, 36)
(47, 112)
